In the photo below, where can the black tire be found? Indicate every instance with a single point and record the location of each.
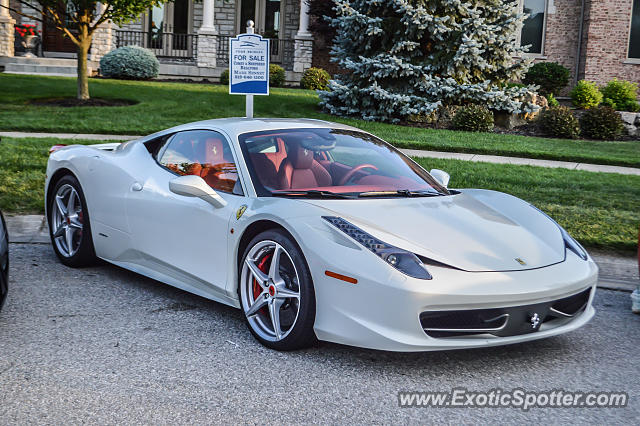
(302, 334)
(4, 261)
(85, 254)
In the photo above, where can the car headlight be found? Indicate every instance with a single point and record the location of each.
(404, 261)
(569, 242)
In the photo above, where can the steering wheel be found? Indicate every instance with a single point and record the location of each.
(353, 171)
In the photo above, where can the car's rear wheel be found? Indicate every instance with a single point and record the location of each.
(69, 225)
(276, 292)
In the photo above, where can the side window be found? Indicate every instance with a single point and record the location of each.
(204, 153)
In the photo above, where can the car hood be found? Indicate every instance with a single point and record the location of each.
(475, 230)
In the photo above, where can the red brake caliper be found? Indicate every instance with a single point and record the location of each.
(263, 266)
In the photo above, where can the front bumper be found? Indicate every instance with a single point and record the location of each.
(382, 311)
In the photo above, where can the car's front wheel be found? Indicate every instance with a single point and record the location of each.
(276, 292)
(69, 225)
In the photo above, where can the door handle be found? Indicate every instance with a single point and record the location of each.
(137, 186)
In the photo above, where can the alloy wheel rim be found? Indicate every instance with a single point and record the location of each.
(67, 220)
(270, 291)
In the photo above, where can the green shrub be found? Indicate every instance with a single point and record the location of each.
(276, 75)
(586, 95)
(560, 122)
(550, 76)
(473, 118)
(602, 123)
(224, 77)
(130, 63)
(553, 102)
(315, 79)
(621, 95)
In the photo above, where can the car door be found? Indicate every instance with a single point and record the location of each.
(185, 238)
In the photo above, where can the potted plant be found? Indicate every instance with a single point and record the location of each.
(29, 35)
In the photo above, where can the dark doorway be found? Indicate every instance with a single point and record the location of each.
(54, 40)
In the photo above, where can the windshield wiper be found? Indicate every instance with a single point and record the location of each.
(401, 193)
(310, 193)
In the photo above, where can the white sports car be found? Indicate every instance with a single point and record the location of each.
(318, 230)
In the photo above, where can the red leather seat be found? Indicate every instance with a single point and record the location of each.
(217, 170)
(300, 169)
(267, 164)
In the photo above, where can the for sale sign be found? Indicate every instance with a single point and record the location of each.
(249, 65)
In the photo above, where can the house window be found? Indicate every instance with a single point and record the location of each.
(634, 38)
(533, 26)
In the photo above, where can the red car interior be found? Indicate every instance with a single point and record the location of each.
(211, 162)
(300, 169)
(291, 166)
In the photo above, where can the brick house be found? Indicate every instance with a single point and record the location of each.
(596, 39)
(190, 38)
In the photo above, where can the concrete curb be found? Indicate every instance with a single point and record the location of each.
(523, 161)
(616, 272)
(88, 136)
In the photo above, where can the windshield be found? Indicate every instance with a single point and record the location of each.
(323, 162)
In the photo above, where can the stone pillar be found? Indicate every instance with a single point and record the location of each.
(207, 37)
(7, 30)
(104, 39)
(303, 45)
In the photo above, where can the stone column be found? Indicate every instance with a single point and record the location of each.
(207, 37)
(303, 45)
(7, 30)
(103, 37)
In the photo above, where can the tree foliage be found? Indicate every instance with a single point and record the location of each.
(407, 57)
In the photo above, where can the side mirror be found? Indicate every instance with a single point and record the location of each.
(441, 176)
(195, 186)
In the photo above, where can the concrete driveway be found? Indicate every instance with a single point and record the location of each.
(103, 345)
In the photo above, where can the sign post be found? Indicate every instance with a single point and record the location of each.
(249, 66)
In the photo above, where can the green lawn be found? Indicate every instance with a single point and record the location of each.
(600, 209)
(161, 105)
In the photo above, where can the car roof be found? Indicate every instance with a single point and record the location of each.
(236, 126)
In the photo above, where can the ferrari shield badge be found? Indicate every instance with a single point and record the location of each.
(241, 211)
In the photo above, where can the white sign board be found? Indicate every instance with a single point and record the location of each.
(249, 65)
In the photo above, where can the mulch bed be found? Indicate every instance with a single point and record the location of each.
(74, 102)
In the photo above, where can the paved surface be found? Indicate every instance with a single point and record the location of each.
(523, 161)
(411, 152)
(103, 345)
(88, 136)
(616, 272)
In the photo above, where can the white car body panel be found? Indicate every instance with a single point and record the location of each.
(189, 244)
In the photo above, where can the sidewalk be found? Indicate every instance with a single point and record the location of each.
(616, 272)
(410, 152)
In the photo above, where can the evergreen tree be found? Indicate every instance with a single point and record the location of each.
(405, 57)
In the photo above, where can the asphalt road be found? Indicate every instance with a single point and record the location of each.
(103, 345)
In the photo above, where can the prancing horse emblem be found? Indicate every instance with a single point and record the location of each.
(535, 321)
(241, 211)
(520, 261)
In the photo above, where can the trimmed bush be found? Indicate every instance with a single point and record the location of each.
(560, 122)
(550, 76)
(473, 118)
(586, 95)
(315, 79)
(621, 95)
(130, 63)
(224, 77)
(552, 100)
(602, 123)
(276, 75)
